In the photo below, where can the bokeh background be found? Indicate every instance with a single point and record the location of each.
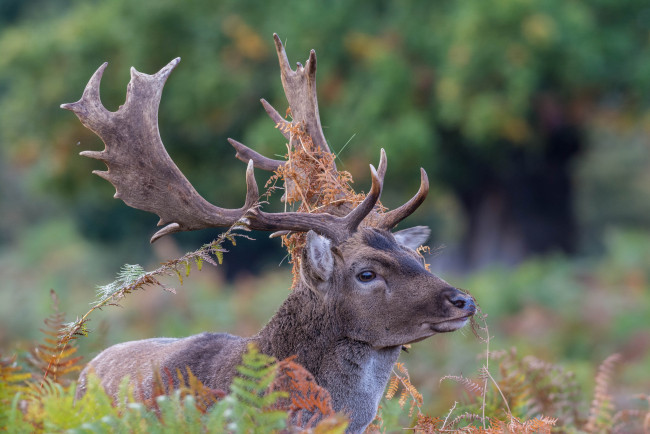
(531, 118)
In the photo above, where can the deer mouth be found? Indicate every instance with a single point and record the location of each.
(448, 325)
(428, 329)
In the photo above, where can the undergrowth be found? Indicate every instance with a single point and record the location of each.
(253, 405)
(521, 394)
(511, 393)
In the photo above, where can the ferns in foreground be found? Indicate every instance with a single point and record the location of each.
(270, 396)
(249, 405)
(55, 361)
(13, 382)
(254, 404)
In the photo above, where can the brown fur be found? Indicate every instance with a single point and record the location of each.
(347, 333)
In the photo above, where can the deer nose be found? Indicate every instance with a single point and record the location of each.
(461, 301)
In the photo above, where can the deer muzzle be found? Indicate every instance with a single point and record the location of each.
(461, 308)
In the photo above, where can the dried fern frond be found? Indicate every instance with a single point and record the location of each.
(204, 397)
(12, 378)
(307, 402)
(409, 392)
(55, 360)
(541, 425)
(393, 385)
(465, 417)
(469, 385)
(633, 420)
(427, 424)
(601, 410)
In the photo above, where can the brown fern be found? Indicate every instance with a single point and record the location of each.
(12, 379)
(377, 423)
(56, 361)
(633, 420)
(601, 410)
(307, 402)
(472, 387)
(427, 424)
(409, 392)
(312, 180)
(204, 397)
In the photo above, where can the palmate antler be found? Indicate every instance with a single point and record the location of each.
(146, 178)
(300, 90)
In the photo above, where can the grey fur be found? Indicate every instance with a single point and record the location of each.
(346, 332)
(413, 237)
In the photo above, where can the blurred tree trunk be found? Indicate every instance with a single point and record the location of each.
(517, 199)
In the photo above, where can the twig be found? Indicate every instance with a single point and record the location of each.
(505, 401)
(77, 328)
(487, 367)
(448, 415)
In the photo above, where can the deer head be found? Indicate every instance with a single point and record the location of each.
(385, 296)
(362, 291)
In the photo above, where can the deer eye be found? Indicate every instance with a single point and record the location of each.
(366, 276)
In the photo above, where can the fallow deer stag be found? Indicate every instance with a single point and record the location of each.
(362, 292)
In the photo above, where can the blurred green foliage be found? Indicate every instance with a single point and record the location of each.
(399, 75)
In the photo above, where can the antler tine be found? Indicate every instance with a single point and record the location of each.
(383, 163)
(390, 219)
(300, 90)
(356, 216)
(245, 154)
(277, 118)
(338, 229)
(144, 175)
(89, 109)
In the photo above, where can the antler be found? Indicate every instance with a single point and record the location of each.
(146, 178)
(390, 219)
(300, 90)
(144, 175)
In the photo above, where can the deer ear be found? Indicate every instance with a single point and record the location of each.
(318, 260)
(413, 237)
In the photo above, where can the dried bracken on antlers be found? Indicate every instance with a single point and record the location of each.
(300, 90)
(146, 178)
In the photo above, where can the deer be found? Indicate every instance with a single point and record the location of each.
(362, 291)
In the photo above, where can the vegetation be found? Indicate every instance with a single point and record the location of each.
(528, 115)
(527, 395)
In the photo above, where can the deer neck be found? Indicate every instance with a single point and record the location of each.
(303, 326)
(353, 372)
